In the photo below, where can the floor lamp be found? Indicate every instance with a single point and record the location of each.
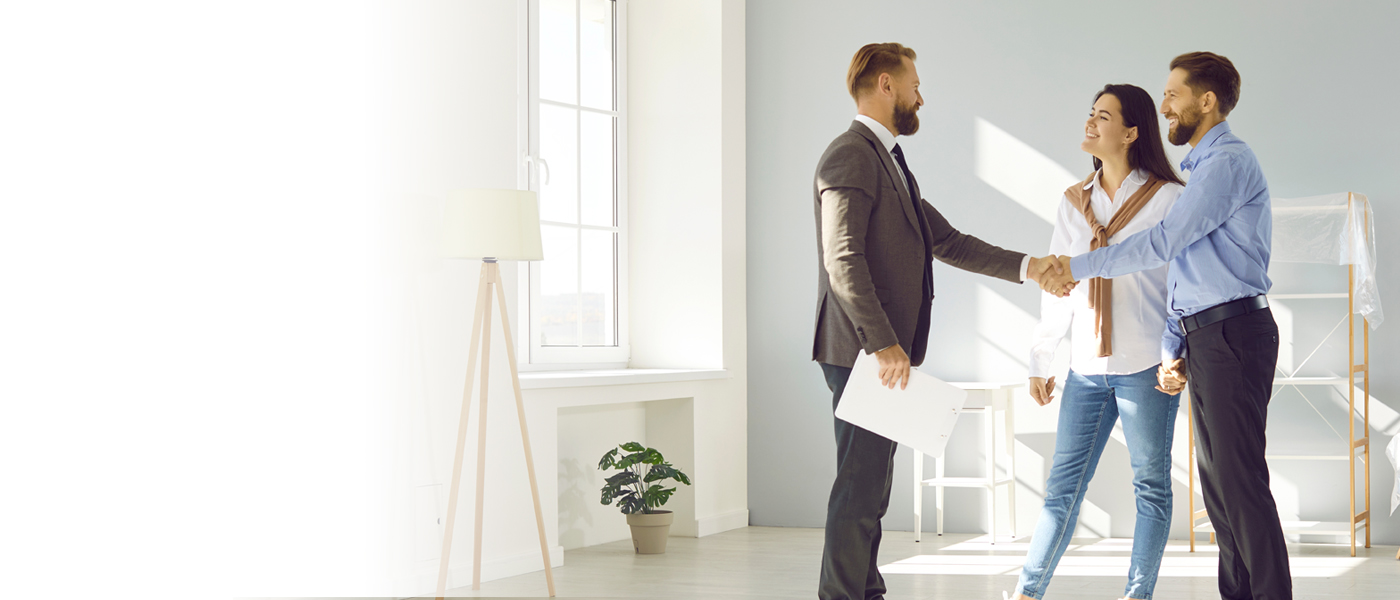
(490, 225)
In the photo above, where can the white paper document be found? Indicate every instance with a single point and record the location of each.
(920, 416)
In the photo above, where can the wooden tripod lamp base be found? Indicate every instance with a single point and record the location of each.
(481, 340)
(491, 225)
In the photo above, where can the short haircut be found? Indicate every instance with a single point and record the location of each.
(872, 60)
(1210, 72)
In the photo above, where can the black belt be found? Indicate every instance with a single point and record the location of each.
(1220, 312)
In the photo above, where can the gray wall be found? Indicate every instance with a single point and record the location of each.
(1318, 86)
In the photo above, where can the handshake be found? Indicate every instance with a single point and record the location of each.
(1053, 274)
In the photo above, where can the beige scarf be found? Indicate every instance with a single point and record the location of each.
(1101, 290)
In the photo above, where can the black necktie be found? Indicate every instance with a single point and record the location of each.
(910, 186)
(908, 176)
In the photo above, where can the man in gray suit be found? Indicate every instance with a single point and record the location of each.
(877, 239)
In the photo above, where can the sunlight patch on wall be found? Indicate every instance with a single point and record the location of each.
(1093, 521)
(1021, 172)
(1287, 497)
(1283, 316)
(1003, 329)
(1384, 419)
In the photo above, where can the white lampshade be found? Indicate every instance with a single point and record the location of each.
(500, 224)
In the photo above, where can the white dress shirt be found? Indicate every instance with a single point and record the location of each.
(1139, 299)
(886, 138)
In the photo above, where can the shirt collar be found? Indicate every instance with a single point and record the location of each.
(1209, 139)
(1137, 177)
(884, 134)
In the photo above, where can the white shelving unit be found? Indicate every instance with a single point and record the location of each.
(1200, 522)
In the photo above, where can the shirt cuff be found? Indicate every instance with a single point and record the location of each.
(1079, 267)
(1171, 347)
(1025, 267)
(1039, 368)
(1170, 352)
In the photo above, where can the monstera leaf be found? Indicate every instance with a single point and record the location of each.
(635, 488)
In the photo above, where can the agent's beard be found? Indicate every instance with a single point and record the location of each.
(906, 121)
(1186, 124)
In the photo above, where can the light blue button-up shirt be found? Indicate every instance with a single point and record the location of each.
(1217, 236)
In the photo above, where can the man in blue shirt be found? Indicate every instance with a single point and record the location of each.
(1222, 333)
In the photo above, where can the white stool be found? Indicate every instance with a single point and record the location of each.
(987, 399)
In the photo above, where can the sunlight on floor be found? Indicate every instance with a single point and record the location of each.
(1102, 558)
(1106, 545)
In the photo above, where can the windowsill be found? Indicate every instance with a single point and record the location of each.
(538, 380)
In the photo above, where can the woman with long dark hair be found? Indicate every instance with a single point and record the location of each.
(1116, 345)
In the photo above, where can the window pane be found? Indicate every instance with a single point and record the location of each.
(599, 288)
(598, 174)
(559, 286)
(596, 47)
(558, 51)
(559, 149)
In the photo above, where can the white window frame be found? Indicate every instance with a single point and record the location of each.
(534, 356)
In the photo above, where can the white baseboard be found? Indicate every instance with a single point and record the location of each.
(734, 519)
(425, 579)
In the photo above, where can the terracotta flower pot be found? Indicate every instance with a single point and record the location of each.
(649, 531)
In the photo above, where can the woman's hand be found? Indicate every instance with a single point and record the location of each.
(1041, 390)
(1171, 376)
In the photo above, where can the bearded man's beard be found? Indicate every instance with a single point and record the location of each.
(1186, 124)
(906, 122)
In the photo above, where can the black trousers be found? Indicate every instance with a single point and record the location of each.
(1230, 365)
(859, 498)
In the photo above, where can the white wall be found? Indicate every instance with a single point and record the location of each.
(1029, 70)
(451, 123)
(229, 346)
(686, 195)
(585, 434)
(674, 180)
(448, 109)
(186, 265)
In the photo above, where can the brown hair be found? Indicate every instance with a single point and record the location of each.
(1140, 111)
(872, 60)
(1210, 72)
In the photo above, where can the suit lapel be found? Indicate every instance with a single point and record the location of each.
(891, 171)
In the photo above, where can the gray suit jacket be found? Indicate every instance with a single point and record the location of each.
(876, 283)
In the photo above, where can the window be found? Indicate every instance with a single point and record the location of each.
(576, 135)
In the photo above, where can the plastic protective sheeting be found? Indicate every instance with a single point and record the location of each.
(1334, 229)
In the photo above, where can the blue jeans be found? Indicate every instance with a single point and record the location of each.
(1089, 406)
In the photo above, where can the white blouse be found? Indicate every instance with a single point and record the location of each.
(1139, 299)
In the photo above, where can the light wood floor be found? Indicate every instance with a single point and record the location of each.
(781, 563)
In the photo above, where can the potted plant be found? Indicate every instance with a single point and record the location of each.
(639, 492)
